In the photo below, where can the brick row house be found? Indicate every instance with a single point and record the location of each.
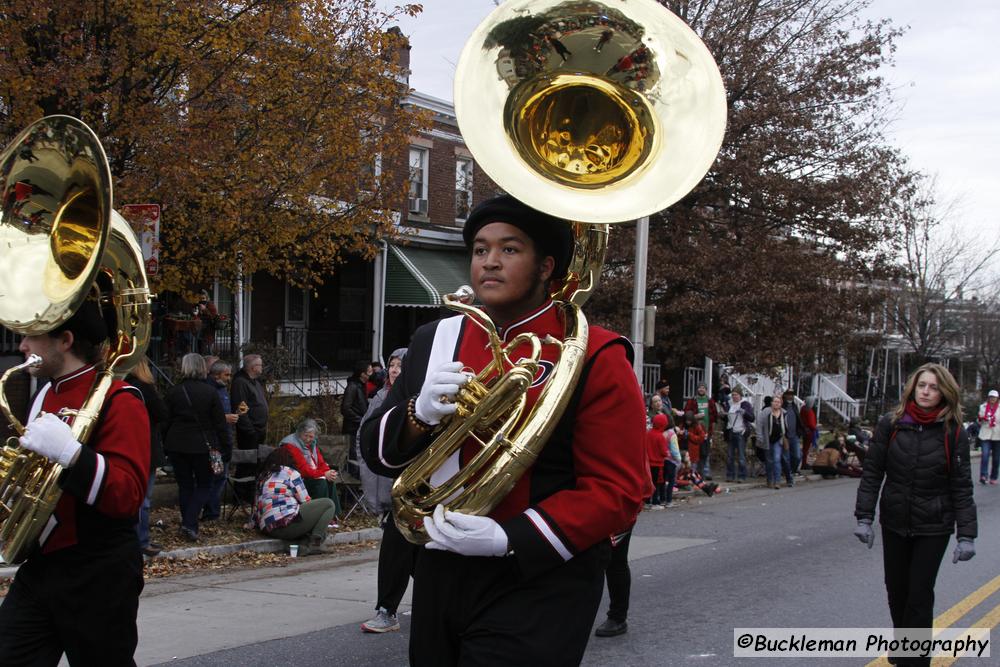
(366, 308)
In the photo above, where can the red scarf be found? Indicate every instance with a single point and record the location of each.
(921, 415)
(991, 413)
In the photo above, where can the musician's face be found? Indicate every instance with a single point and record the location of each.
(51, 350)
(507, 274)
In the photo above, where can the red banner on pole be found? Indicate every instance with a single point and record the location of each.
(145, 221)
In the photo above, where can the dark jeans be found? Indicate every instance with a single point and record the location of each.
(397, 559)
(619, 578)
(194, 485)
(985, 469)
(213, 508)
(911, 568)
(736, 461)
(142, 528)
(669, 479)
(657, 498)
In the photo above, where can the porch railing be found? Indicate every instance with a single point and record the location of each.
(836, 399)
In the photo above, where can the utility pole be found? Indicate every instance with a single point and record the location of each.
(639, 294)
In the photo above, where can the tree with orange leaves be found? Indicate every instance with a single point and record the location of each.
(268, 130)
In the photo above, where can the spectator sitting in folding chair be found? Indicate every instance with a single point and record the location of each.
(320, 478)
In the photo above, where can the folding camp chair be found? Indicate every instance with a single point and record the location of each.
(238, 485)
(351, 494)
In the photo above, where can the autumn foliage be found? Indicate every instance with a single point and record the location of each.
(759, 264)
(259, 126)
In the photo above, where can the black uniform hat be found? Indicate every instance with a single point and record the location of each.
(552, 236)
(86, 323)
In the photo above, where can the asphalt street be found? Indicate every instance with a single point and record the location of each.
(752, 558)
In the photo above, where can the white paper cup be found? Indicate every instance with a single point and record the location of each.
(293, 551)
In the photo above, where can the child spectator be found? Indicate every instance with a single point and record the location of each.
(657, 451)
(687, 477)
(670, 465)
(696, 436)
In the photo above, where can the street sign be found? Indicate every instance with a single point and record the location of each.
(145, 221)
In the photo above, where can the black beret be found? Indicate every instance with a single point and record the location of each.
(553, 237)
(87, 323)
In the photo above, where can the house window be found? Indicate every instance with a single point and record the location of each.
(296, 306)
(418, 181)
(463, 189)
(371, 169)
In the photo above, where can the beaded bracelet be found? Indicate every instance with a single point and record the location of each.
(411, 415)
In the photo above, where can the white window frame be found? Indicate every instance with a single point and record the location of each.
(418, 164)
(296, 293)
(464, 174)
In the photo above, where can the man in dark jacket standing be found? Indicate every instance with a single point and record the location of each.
(251, 428)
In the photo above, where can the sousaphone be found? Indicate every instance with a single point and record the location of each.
(61, 243)
(594, 111)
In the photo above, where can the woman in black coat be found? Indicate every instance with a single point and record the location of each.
(921, 452)
(195, 422)
(141, 378)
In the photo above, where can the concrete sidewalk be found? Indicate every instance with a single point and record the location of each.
(193, 615)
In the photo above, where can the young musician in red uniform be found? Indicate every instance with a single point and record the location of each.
(522, 585)
(78, 590)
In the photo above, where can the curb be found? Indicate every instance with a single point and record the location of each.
(268, 545)
(260, 546)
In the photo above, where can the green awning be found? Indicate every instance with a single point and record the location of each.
(420, 276)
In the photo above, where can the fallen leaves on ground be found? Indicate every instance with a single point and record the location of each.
(165, 523)
(162, 566)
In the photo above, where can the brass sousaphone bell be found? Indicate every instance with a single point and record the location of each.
(61, 243)
(594, 111)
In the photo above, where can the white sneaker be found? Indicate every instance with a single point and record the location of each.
(383, 622)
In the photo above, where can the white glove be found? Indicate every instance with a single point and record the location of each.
(443, 382)
(52, 438)
(465, 534)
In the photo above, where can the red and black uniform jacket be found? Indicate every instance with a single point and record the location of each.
(104, 489)
(589, 480)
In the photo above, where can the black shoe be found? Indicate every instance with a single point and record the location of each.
(189, 535)
(709, 489)
(151, 551)
(611, 628)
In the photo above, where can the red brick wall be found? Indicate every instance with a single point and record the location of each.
(442, 158)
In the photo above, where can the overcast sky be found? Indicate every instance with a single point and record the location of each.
(946, 77)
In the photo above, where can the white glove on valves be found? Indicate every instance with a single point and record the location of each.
(443, 382)
(465, 534)
(52, 438)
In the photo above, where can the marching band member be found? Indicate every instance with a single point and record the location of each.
(491, 590)
(78, 590)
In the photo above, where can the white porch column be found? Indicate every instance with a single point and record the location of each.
(378, 302)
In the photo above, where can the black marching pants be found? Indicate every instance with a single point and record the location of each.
(619, 579)
(85, 607)
(397, 558)
(911, 568)
(473, 611)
